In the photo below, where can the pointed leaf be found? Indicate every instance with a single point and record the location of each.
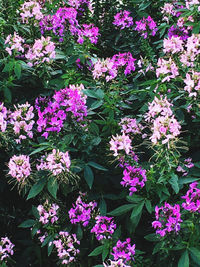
(89, 176)
(184, 260)
(36, 188)
(96, 251)
(122, 209)
(52, 187)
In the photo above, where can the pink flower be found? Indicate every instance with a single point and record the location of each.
(19, 167)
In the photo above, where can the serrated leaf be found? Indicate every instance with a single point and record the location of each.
(52, 187)
(89, 176)
(36, 188)
(27, 224)
(97, 166)
(121, 210)
(97, 251)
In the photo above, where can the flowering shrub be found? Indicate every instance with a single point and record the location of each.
(100, 97)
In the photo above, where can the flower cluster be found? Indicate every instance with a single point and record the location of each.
(31, 9)
(168, 219)
(81, 211)
(55, 162)
(173, 45)
(60, 22)
(177, 31)
(89, 31)
(124, 251)
(104, 227)
(117, 263)
(133, 177)
(19, 167)
(6, 249)
(192, 82)
(192, 198)
(120, 142)
(3, 117)
(14, 43)
(42, 51)
(80, 5)
(130, 126)
(66, 247)
(48, 213)
(166, 69)
(22, 121)
(66, 103)
(165, 126)
(123, 19)
(146, 26)
(109, 67)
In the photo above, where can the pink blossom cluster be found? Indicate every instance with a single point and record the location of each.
(48, 213)
(109, 67)
(130, 126)
(123, 19)
(66, 247)
(192, 198)
(168, 219)
(6, 249)
(165, 127)
(66, 103)
(168, 9)
(41, 236)
(120, 142)
(191, 3)
(81, 211)
(42, 51)
(104, 227)
(167, 69)
(19, 167)
(192, 82)
(173, 45)
(14, 44)
(31, 9)
(80, 5)
(146, 26)
(179, 30)
(60, 22)
(124, 251)
(3, 117)
(187, 165)
(134, 178)
(22, 121)
(55, 162)
(190, 55)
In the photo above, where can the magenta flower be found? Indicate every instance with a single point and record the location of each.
(124, 251)
(123, 20)
(192, 198)
(48, 213)
(168, 219)
(104, 227)
(81, 211)
(3, 117)
(146, 26)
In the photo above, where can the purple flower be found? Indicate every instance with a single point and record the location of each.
(104, 227)
(146, 26)
(48, 213)
(6, 249)
(192, 198)
(123, 20)
(168, 219)
(124, 251)
(178, 32)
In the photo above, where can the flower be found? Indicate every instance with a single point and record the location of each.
(19, 167)
(48, 213)
(124, 251)
(192, 198)
(104, 227)
(123, 20)
(6, 249)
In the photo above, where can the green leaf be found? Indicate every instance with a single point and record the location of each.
(105, 252)
(89, 176)
(50, 248)
(137, 209)
(134, 198)
(7, 94)
(97, 166)
(174, 183)
(96, 105)
(36, 188)
(195, 254)
(97, 251)
(18, 70)
(152, 237)
(184, 260)
(148, 205)
(27, 224)
(52, 187)
(39, 149)
(121, 210)
(103, 207)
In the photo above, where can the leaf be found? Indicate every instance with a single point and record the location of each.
(7, 94)
(134, 198)
(96, 251)
(50, 248)
(96, 105)
(27, 224)
(195, 254)
(97, 166)
(187, 180)
(52, 187)
(152, 237)
(38, 150)
(103, 207)
(174, 183)
(36, 188)
(121, 210)
(18, 70)
(105, 252)
(184, 260)
(148, 205)
(137, 210)
(89, 176)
